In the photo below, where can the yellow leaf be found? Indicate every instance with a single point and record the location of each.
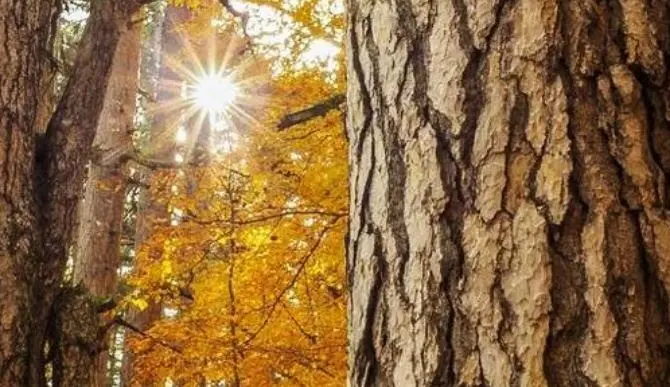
(139, 303)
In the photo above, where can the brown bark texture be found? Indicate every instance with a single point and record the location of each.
(41, 175)
(76, 340)
(25, 26)
(101, 212)
(509, 195)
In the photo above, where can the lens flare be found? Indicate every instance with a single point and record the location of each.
(208, 90)
(214, 93)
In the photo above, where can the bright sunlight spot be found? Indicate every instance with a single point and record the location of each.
(181, 135)
(214, 93)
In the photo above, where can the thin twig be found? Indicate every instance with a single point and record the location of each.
(154, 164)
(259, 219)
(312, 338)
(292, 282)
(146, 94)
(299, 357)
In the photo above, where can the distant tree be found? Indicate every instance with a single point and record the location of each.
(98, 248)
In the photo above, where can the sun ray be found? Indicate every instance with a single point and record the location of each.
(213, 88)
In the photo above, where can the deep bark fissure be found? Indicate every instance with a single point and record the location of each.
(570, 323)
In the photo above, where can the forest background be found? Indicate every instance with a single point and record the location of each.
(213, 223)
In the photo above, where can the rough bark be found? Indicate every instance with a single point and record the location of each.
(101, 213)
(76, 340)
(509, 194)
(42, 176)
(25, 26)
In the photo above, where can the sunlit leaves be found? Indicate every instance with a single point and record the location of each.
(246, 253)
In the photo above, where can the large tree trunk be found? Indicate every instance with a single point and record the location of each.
(41, 180)
(98, 244)
(509, 194)
(25, 27)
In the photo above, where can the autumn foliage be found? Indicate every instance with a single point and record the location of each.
(245, 252)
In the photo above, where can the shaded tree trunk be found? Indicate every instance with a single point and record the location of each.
(98, 245)
(76, 339)
(509, 194)
(22, 35)
(41, 177)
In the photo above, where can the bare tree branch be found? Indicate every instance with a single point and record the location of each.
(298, 356)
(259, 219)
(244, 22)
(318, 110)
(312, 338)
(120, 321)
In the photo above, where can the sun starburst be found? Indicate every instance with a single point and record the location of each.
(210, 94)
(213, 93)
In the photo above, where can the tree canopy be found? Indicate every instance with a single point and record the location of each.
(244, 254)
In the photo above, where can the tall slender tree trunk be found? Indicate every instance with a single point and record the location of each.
(161, 146)
(173, 39)
(42, 175)
(101, 213)
(509, 193)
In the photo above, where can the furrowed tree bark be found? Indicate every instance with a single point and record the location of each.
(76, 339)
(509, 194)
(41, 177)
(99, 231)
(25, 26)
